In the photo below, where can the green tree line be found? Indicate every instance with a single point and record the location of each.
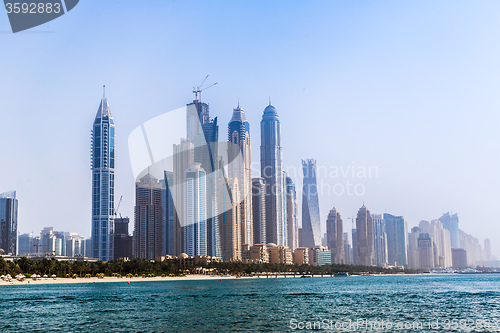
(141, 266)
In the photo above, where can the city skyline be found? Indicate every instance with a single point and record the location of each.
(429, 119)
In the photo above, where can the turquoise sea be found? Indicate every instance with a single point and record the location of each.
(431, 303)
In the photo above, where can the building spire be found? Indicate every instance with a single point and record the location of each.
(269, 100)
(103, 91)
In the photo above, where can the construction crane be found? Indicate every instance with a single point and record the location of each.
(199, 88)
(118, 207)
(352, 220)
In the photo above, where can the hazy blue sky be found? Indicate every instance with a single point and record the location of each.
(409, 87)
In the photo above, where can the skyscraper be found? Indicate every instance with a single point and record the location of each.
(397, 239)
(441, 238)
(487, 249)
(292, 214)
(123, 241)
(25, 244)
(259, 210)
(8, 222)
(450, 222)
(271, 164)
(168, 214)
(380, 240)
(195, 196)
(148, 218)
(311, 233)
(230, 219)
(425, 251)
(413, 252)
(103, 182)
(364, 232)
(203, 132)
(335, 236)
(240, 168)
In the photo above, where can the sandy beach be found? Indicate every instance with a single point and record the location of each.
(30, 281)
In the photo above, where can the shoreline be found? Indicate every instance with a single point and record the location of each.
(38, 281)
(191, 277)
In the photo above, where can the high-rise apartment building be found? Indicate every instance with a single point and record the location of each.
(311, 231)
(123, 240)
(442, 242)
(335, 236)
(230, 220)
(426, 251)
(272, 172)
(203, 133)
(239, 165)
(103, 183)
(182, 160)
(259, 210)
(195, 196)
(397, 240)
(379, 240)
(450, 222)
(8, 222)
(292, 219)
(25, 244)
(148, 218)
(168, 214)
(364, 232)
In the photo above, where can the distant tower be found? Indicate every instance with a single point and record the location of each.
(397, 240)
(103, 183)
(292, 214)
(240, 167)
(380, 240)
(487, 249)
(259, 210)
(364, 234)
(182, 160)
(8, 222)
(168, 214)
(450, 222)
(148, 229)
(335, 237)
(311, 232)
(271, 163)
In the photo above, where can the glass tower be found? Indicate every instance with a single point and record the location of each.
(103, 183)
(271, 163)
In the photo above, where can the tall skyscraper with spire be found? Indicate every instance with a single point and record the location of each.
(240, 167)
(271, 164)
(103, 183)
(311, 231)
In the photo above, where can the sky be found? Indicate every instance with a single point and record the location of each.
(406, 91)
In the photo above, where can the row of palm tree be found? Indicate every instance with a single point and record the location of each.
(139, 267)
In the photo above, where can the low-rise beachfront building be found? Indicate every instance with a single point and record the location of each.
(301, 256)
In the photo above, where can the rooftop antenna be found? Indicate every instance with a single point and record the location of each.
(103, 91)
